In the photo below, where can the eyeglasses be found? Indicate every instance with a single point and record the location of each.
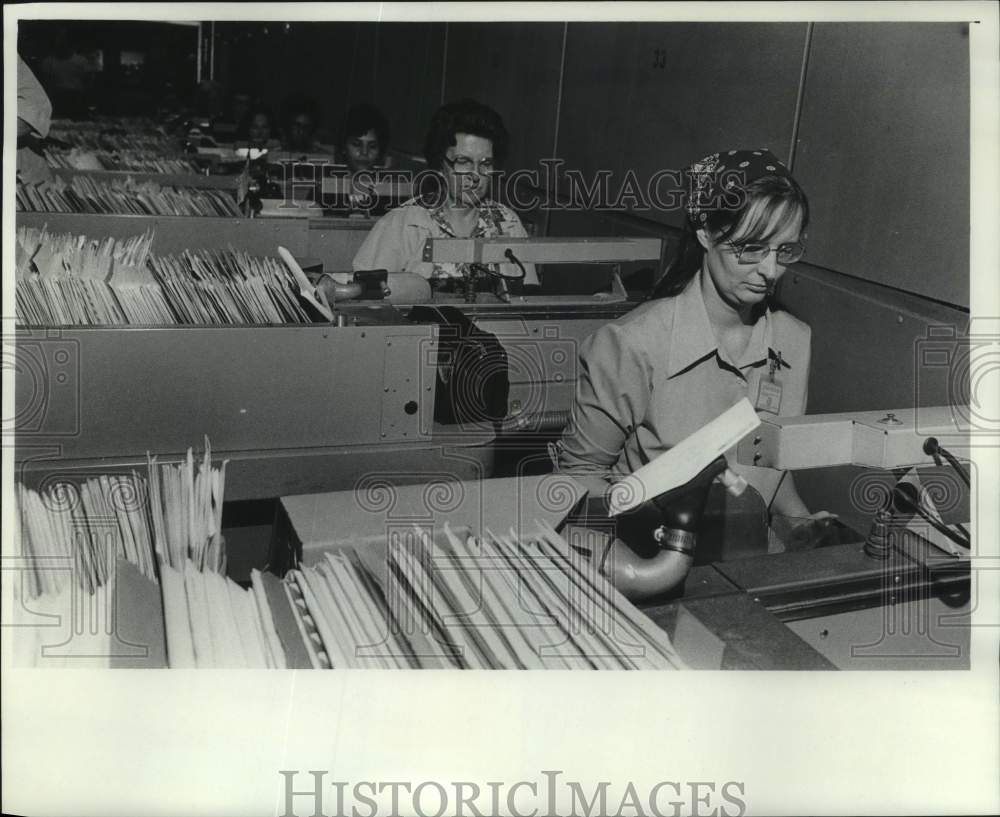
(463, 164)
(755, 253)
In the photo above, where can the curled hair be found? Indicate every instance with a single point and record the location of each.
(465, 116)
(359, 120)
(768, 204)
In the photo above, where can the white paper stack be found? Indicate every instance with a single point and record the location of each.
(213, 623)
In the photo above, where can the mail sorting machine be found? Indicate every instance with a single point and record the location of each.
(314, 189)
(311, 186)
(288, 431)
(894, 596)
(281, 185)
(328, 214)
(894, 593)
(898, 596)
(305, 407)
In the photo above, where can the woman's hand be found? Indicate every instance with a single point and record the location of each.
(806, 532)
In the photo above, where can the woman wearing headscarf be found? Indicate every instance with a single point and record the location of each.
(661, 372)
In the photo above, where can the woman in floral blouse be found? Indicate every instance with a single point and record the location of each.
(466, 144)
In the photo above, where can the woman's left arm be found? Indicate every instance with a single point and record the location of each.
(787, 501)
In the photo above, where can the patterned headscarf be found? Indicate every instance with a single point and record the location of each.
(715, 182)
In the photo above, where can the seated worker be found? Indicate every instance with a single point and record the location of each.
(227, 127)
(658, 374)
(364, 139)
(362, 146)
(301, 155)
(34, 117)
(300, 120)
(466, 143)
(257, 128)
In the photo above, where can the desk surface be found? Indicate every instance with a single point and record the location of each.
(751, 638)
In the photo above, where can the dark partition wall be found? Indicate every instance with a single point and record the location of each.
(514, 67)
(884, 152)
(657, 96)
(407, 69)
(120, 67)
(273, 60)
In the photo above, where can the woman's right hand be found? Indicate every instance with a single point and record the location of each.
(808, 532)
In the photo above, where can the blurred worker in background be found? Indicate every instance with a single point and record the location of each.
(363, 142)
(300, 123)
(258, 128)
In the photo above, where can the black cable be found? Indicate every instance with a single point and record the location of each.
(604, 557)
(933, 448)
(509, 255)
(956, 465)
(906, 494)
(774, 496)
(484, 269)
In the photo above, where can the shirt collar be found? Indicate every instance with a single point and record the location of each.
(488, 220)
(692, 339)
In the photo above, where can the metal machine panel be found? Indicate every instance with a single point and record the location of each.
(174, 234)
(874, 439)
(793, 442)
(751, 638)
(887, 439)
(919, 634)
(120, 392)
(543, 356)
(335, 241)
(542, 250)
(408, 385)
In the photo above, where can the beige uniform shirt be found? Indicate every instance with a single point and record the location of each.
(396, 242)
(656, 375)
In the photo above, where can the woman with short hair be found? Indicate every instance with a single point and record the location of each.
(466, 145)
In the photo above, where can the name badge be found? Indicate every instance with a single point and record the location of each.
(769, 396)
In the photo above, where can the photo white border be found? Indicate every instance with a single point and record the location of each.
(134, 742)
